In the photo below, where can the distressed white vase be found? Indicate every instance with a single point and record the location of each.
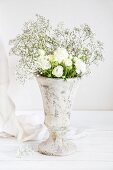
(57, 95)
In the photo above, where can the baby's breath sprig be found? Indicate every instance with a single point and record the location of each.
(55, 52)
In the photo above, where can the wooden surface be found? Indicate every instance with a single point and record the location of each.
(94, 152)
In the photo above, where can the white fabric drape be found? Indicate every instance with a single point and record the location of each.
(22, 127)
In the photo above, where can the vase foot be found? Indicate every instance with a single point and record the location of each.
(57, 149)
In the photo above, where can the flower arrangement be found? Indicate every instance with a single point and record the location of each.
(55, 52)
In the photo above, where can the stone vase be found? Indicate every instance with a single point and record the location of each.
(57, 95)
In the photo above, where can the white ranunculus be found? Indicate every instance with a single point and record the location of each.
(58, 71)
(80, 66)
(43, 63)
(61, 54)
(68, 62)
(41, 52)
(46, 65)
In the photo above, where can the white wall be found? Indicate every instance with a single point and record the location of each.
(96, 90)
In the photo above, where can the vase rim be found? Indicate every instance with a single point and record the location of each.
(57, 79)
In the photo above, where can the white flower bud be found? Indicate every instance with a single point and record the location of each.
(43, 63)
(60, 54)
(58, 71)
(80, 66)
(68, 62)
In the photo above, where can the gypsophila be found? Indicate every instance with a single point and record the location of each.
(55, 52)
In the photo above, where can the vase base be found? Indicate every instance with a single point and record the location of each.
(55, 149)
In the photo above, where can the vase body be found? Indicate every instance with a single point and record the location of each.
(57, 95)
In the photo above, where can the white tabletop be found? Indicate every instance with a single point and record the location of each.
(94, 151)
